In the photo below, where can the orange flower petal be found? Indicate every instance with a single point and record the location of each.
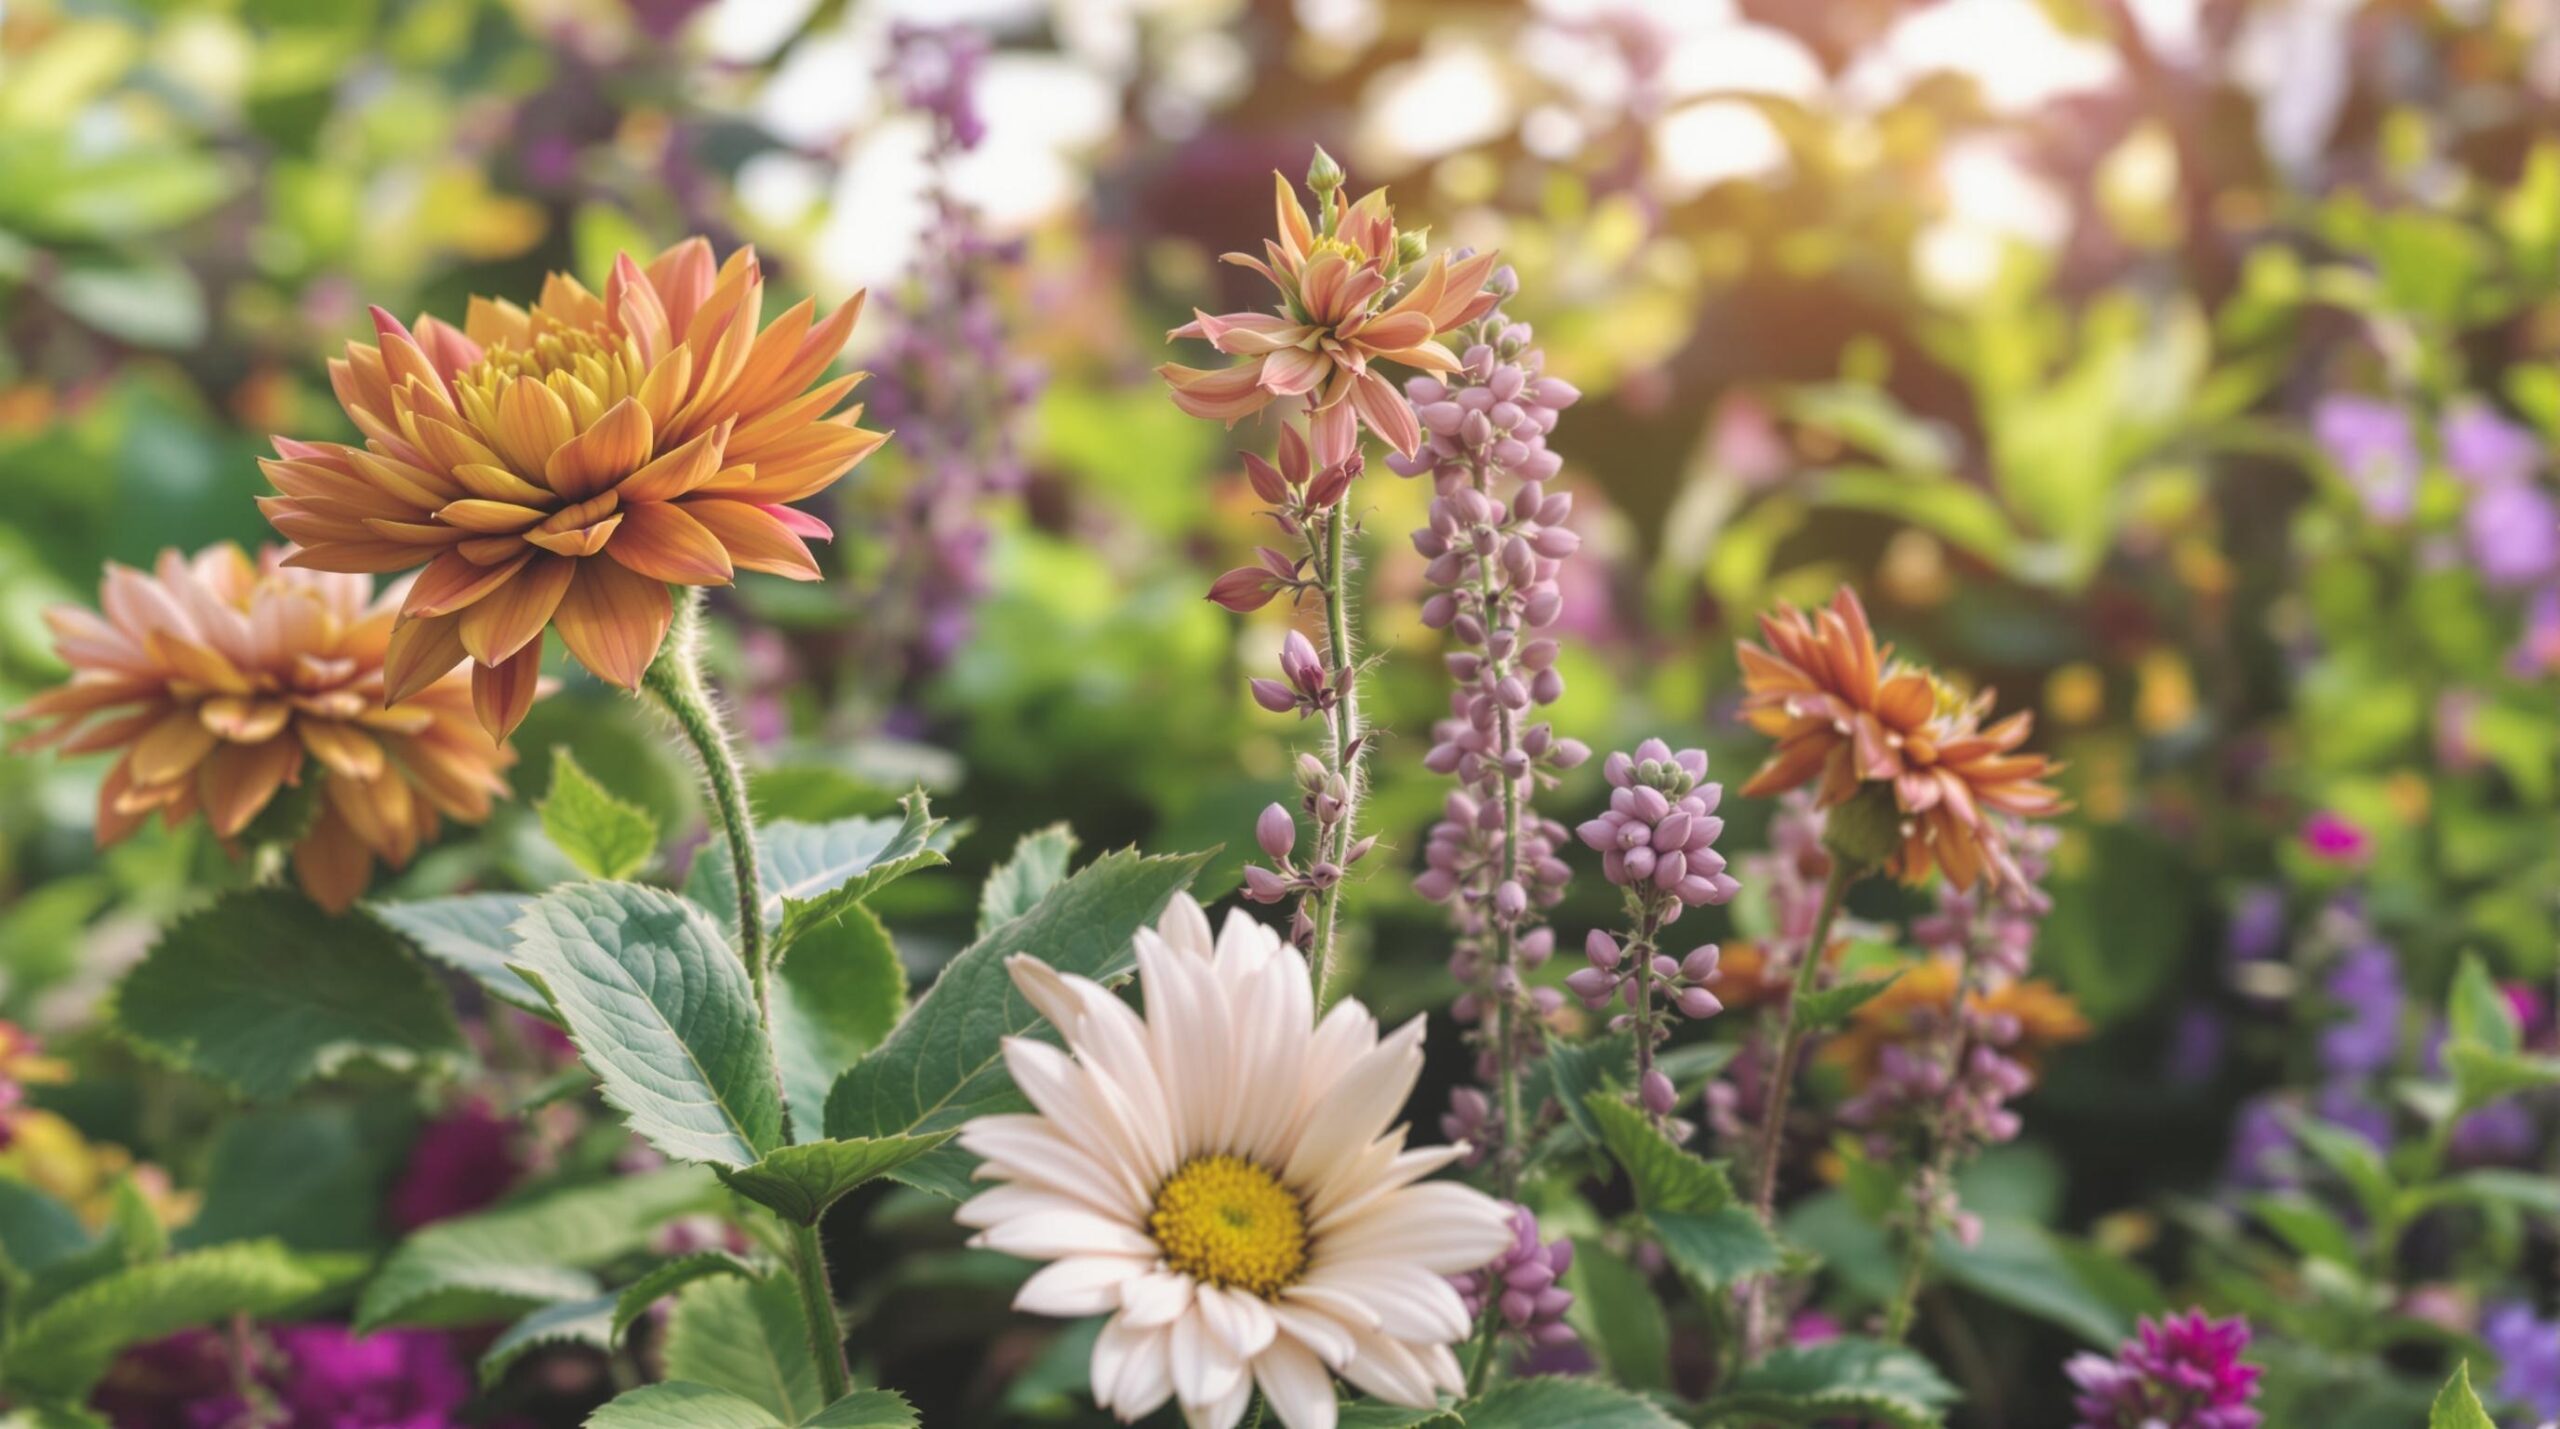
(660, 541)
(332, 864)
(452, 582)
(755, 540)
(343, 747)
(490, 518)
(579, 542)
(593, 461)
(238, 780)
(498, 625)
(613, 620)
(502, 694)
(679, 471)
(173, 745)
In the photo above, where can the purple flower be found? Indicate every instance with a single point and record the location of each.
(2181, 1372)
(1525, 1283)
(2374, 447)
(2485, 449)
(2332, 838)
(461, 1161)
(183, 1381)
(2262, 1146)
(1661, 826)
(391, 1379)
(2365, 984)
(2537, 651)
(2514, 534)
(2528, 1351)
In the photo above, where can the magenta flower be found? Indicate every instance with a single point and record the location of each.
(2181, 1372)
(2332, 838)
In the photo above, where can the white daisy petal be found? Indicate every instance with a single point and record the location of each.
(1243, 1321)
(1053, 1235)
(1078, 1285)
(1158, 1297)
(1357, 1109)
(1132, 1368)
(1205, 1368)
(1295, 1384)
(1328, 1338)
(1224, 1413)
(1411, 1303)
(1439, 1225)
(1392, 1371)
(1184, 925)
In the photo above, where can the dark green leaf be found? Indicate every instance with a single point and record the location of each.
(865, 1409)
(63, 1348)
(746, 1336)
(310, 1176)
(1619, 1316)
(811, 873)
(264, 991)
(571, 1322)
(527, 1254)
(666, 1280)
(661, 1010)
(837, 998)
(1666, 1178)
(1839, 1379)
(679, 1405)
(35, 1229)
(473, 933)
(1828, 1007)
(1039, 863)
(604, 836)
(1715, 1249)
(800, 1182)
(1547, 1403)
(2021, 1266)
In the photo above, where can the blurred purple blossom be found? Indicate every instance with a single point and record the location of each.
(461, 1161)
(2365, 985)
(2485, 449)
(2528, 1351)
(2375, 448)
(2181, 1372)
(1526, 1284)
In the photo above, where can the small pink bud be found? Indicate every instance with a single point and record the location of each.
(1602, 950)
(1242, 589)
(1276, 831)
(1659, 1095)
(1273, 695)
(1263, 886)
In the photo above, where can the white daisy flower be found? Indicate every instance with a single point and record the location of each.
(1219, 1177)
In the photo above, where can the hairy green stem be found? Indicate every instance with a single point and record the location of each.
(818, 1309)
(1343, 742)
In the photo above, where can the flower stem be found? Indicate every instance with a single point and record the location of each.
(675, 678)
(1343, 749)
(1773, 1118)
(818, 1308)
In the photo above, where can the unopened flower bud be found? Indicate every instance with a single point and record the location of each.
(1277, 832)
(1263, 886)
(1324, 175)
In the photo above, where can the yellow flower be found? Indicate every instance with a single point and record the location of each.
(224, 679)
(653, 426)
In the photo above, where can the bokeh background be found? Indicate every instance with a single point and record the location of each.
(2182, 368)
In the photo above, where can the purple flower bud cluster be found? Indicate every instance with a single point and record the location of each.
(1661, 827)
(1996, 930)
(1682, 982)
(949, 383)
(1791, 872)
(1324, 797)
(1523, 1284)
(1305, 685)
(1963, 1102)
(2182, 1372)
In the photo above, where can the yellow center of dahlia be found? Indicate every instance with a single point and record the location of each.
(1230, 1223)
(588, 369)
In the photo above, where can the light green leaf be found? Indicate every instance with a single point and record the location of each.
(1714, 1249)
(661, 1010)
(2355, 1161)
(680, 1405)
(666, 1280)
(1830, 1006)
(1039, 863)
(800, 1182)
(64, 1347)
(36, 1230)
(811, 873)
(865, 1409)
(1370, 1414)
(746, 1337)
(944, 1065)
(2477, 1014)
(526, 1254)
(837, 998)
(264, 991)
(604, 836)
(1619, 1316)
(1840, 1379)
(1666, 1178)
(472, 933)
(150, 302)
(2457, 1407)
(2481, 1076)
(2024, 1267)
(1548, 1403)
(571, 1322)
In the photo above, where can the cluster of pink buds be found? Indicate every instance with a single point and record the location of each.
(1305, 686)
(1995, 930)
(1522, 1284)
(1682, 982)
(1661, 827)
(1966, 1102)
(1323, 798)
(1296, 490)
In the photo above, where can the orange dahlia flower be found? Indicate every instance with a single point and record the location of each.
(1340, 311)
(1915, 1007)
(561, 467)
(223, 680)
(1847, 715)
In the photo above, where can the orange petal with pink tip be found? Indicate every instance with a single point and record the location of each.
(452, 582)
(683, 276)
(660, 541)
(755, 540)
(636, 310)
(498, 624)
(613, 620)
(331, 863)
(1223, 395)
(602, 455)
(680, 471)
(421, 653)
(503, 694)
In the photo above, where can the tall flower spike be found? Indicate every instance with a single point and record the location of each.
(560, 466)
(1347, 300)
(1221, 1179)
(223, 680)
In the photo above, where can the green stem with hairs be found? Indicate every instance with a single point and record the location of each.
(1343, 742)
(818, 1309)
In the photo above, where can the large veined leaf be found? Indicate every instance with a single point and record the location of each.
(1039, 863)
(812, 873)
(944, 1064)
(528, 1254)
(662, 1012)
(570, 1322)
(63, 1348)
(800, 1182)
(746, 1337)
(1548, 1403)
(1847, 1378)
(679, 1404)
(472, 933)
(666, 1280)
(837, 997)
(1666, 1178)
(604, 836)
(264, 991)
(1619, 1316)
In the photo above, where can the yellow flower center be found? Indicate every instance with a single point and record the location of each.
(1230, 1223)
(1339, 247)
(587, 369)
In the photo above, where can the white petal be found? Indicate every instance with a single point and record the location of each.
(1295, 1384)
(1205, 1370)
(1087, 1112)
(1371, 1091)
(1393, 1372)
(1078, 1285)
(1158, 1297)
(1442, 1363)
(1132, 1368)
(1224, 1413)
(999, 1204)
(1243, 1321)
(1354, 1199)
(1184, 926)
(1047, 990)
(1439, 1225)
(1032, 1149)
(1328, 1337)
(1412, 1303)
(1348, 1309)
(1053, 1235)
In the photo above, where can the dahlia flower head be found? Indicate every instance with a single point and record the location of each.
(561, 466)
(1849, 717)
(224, 679)
(2180, 1372)
(1343, 308)
(1221, 1179)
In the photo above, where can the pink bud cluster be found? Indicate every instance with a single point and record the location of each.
(1681, 981)
(1305, 685)
(1661, 827)
(1522, 1284)
(1297, 491)
(1323, 796)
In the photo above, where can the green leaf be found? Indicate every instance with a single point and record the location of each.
(944, 1064)
(747, 1337)
(865, 1409)
(2023, 1266)
(526, 1254)
(1549, 1403)
(1666, 1178)
(310, 1176)
(264, 991)
(37, 1231)
(2355, 1161)
(1828, 1007)
(811, 873)
(604, 836)
(2477, 1013)
(800, 1182)
(837, 998)
(1838, 1379)
(2309, 1227)
(2457, 1407)
(2481, 1076)
(1714, 1249)
(63, 1348)
(131, 1236)
(1572, 1071)
(1039, 863)
(1619, 1316)
(679, 1405)
(472, 933)
(570, 1322)
(661, 1010)
(666, 1280)
(1370, 1414)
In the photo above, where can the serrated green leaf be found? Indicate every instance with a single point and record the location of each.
(1370, 1414)
(1666, 1178)
(680, 1405)
(527, 1254)
(746, 1337)
(944, 1063)
(661, 1010)
(1039, 863)
(1546, 1403)
(1838, 1379)
(1571, 1072)
(811, 873)
(310, 1176)
(2477, 1013)
(2457, 1406)
(799, 1182)
(570, 1322)
(604, 836)
(1830, 1006)
(1619, 1316)
(472, 933)
(2481, 1076)
(666, 1280)
(865, 1409)
(837, 998)
(1714, 1249)
(63, 1348)
(264, 991)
